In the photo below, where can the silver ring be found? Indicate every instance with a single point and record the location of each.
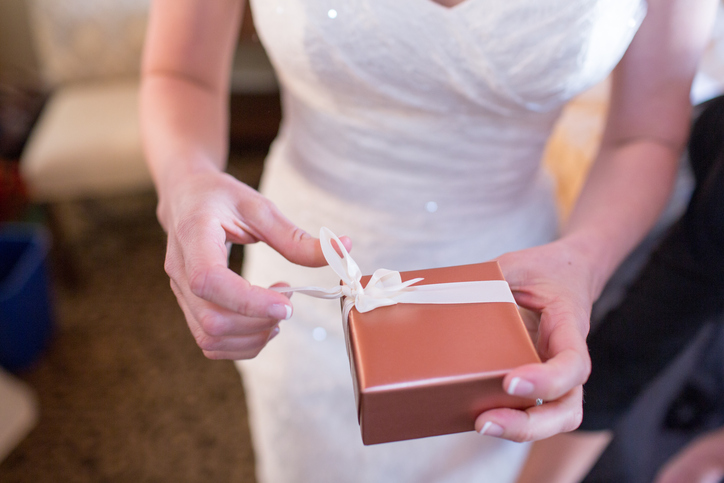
(538, 402)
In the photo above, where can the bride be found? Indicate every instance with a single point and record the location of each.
(416, 129)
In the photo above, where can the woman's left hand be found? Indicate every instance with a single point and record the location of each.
(554, 282)
(626, 189)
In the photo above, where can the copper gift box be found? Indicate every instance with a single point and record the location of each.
(425, 369)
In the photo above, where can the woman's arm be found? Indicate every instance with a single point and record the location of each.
(647, 129)
(185, 86)
(184, 97)
(626, 189)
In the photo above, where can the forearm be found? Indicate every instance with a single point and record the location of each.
(184, 93)
(625, 192)
(647, 129)
(184, 129)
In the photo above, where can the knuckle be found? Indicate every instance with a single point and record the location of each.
(576, 417)
(254, 351)
(244, 306)
(175, 289)
(208, 343)
(198, 282)
(254, 345)
(251, 303)
(518, 436)
(525, 432)
(575, 421)
(299, 235)
(171, 265)
(524, 436)
(212, 324)
(264, 209)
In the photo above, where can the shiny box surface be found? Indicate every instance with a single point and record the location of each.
(426, 369)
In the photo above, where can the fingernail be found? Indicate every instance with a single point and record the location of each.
(520, 387)
(491, 429)
(280, 311)
(273, 333)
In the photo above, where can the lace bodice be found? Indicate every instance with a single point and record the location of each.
(408, 105)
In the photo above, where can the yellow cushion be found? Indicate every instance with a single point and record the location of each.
(574, 143)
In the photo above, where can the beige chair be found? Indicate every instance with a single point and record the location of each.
(574, 143)
(86, 144)
(87, 141)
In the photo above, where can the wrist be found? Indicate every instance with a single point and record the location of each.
(172, 183)
(591, 252)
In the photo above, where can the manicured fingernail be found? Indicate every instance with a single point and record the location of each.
(280, 311)
(520, 387)
(491, 429)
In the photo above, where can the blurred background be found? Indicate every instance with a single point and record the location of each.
(100, 379)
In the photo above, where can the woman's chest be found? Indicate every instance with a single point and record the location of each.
(529, 53)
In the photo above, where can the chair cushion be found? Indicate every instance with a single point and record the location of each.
(87, 143)
(574, 143)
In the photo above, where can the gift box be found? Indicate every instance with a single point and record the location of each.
(424, 370)
(428, 349)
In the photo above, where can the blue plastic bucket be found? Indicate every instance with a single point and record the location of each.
(26, 315)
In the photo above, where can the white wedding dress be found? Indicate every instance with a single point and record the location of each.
(417, 130)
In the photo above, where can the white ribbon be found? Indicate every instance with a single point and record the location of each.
(386, 287)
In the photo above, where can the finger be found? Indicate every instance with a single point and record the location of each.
(569, 366)
(244, 347)
(224, 288)
(208, 277)
(237, 343)
(295, 244)
(549, 380)
(234, 348)
(208, 320)
(538, 422)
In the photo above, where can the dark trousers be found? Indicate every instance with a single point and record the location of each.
(679, 290)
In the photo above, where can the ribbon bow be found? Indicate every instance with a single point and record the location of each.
(386, 287)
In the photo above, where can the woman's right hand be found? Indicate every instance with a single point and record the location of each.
(188, 54)
(228, 317)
